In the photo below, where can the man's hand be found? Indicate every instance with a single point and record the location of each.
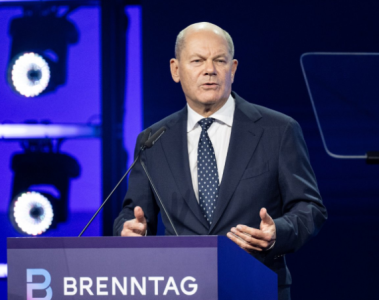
(137, 226)
(252, 239)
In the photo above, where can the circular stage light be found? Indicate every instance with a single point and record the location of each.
(30, 74)
(31, 213)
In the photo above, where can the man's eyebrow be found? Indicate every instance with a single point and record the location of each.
(224, 55)
(221, 55)
(196, 55)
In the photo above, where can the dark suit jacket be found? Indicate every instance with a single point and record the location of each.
(267, 166)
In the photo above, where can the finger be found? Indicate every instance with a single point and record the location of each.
(135, 226)
(262, 244)
(129, 228)
(265, 217)
(128, 232)
(139, 214)
(242, 243)
(255, 233)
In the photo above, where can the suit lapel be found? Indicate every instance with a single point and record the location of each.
(244, 139)
(174, 144)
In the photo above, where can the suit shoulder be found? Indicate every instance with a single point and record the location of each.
(270, 116)
(266, 117)
(262, 115)
(169, 120)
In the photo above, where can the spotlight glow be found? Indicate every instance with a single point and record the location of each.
(3, 270)
(30, 74)
(33, 213)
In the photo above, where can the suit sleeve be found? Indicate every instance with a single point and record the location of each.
(303, 210)
(139, 194)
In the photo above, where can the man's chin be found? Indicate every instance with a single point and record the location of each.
(210, 98)
(207, 100)
(211, 101)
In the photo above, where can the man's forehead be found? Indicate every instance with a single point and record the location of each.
(203, 39)
(203, 34)
(206, 32)
(203, 26)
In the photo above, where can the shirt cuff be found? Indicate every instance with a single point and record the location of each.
(272, 246)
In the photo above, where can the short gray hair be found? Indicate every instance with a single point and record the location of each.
(179, 44)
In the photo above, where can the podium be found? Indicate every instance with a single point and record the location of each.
(186, 267)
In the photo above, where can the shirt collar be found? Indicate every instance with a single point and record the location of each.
(223, 115)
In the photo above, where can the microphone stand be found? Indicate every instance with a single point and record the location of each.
(147, 142)
(143, 147)
(159, 198)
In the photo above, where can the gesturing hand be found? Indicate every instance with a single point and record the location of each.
(252, 239)
(137, 226)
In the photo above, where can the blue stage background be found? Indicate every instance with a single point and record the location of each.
(78, 101)
(269, 37)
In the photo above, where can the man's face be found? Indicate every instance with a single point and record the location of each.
(205, 70)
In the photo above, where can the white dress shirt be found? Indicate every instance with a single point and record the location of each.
(219, 133)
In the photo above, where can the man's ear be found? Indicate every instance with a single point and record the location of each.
(234, 69)
(174, 67)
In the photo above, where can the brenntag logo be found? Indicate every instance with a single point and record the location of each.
(45, 285)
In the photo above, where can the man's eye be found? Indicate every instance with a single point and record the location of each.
(221, 61)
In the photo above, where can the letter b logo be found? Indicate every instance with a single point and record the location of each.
(38, 286)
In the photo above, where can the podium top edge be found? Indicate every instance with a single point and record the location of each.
(113, 242)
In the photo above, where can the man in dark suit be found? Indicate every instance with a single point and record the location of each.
(225, 166)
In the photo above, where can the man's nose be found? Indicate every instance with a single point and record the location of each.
(210, 68)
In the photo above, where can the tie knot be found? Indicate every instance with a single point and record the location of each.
(206, 123)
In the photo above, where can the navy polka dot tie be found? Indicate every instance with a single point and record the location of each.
(207, 173)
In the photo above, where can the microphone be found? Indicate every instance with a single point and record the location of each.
(155, 137)
(145, 138)
(149, 143)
